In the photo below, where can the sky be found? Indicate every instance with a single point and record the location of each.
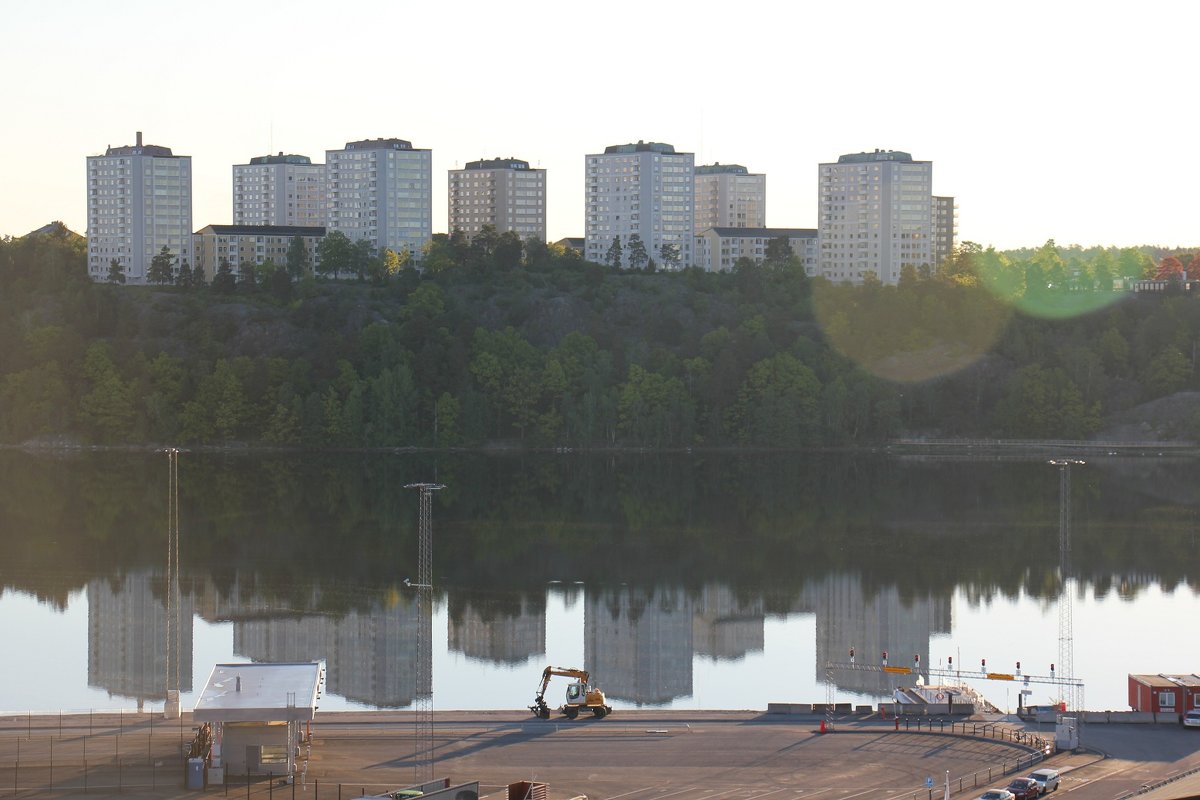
(1061, 119)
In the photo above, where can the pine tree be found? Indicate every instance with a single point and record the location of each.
(116, 272)
(613, 256)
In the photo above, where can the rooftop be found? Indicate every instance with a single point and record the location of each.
(640, 147)
(767, 233)
(281, 159)
(498, 163)
(380, 144)
(720, 169)
(261, 692)
(263, 230)
(878, 155)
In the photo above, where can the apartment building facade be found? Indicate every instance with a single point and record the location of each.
(251, 245)
(718, 249)
(876, 215)
(945, 228)
(139, 200)
(502, 192)
(646, 189)
(381, 190)
(729, 196)
(279, 190)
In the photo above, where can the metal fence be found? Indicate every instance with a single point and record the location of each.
(1040, 749)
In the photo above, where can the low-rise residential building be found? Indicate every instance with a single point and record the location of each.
(502, 192)
(251, 245)
(718, 249)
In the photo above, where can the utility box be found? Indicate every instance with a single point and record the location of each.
(195, 774)
(1066, 733)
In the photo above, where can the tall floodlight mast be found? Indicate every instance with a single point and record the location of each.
(1066, 620)
(174, 624)
(423, 695)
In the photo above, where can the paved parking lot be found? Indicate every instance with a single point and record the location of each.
(632, 755)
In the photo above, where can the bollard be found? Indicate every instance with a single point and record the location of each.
(897, 723)
(822, 726)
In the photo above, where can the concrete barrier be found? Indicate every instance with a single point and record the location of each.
(864, 710)
(1095, 718)
(789, 708)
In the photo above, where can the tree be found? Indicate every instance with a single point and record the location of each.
(335, 254)
(116, 272)
(107, 408)
(1170, 268)
(224, 281)
(637, 252)
(361, 255)
(779, 250)
(613, 257)
(160, 267)
(297, 258)
(247, 279)
(185, 274)
(669, 255)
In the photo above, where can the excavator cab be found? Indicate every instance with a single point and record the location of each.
(576, 692)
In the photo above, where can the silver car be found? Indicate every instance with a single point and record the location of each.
(996, 794)
(1047, 779)
(1192, 718)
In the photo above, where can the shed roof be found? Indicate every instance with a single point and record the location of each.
(1165, 681)
(252, 692)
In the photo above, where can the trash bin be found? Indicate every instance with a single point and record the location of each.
(195, 773)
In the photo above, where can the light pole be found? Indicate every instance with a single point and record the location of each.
(1066, 621)
(423, 694)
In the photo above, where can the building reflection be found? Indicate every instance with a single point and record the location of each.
(501, 628)
(873, 621)
(638, 643)
(127, 636)
(727, 626)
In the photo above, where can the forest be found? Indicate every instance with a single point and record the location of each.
(496, 342)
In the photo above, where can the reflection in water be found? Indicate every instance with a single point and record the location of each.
(681, 562)
(127, 633)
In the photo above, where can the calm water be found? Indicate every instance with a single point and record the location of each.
(681, 582)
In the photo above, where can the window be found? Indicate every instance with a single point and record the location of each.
(1166, 700)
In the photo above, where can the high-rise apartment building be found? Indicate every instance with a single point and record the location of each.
(945, 228)
(139, 200)
(381, 190)
(875, 215)
(729, 196)
(279, 190)
(502, 192)
(646, 189)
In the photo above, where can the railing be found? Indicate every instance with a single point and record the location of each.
(1041, 747)
(1149, 787)
(1041, 444)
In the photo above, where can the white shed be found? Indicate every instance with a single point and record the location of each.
(258, 713)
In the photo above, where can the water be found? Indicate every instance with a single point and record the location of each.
(681, 582)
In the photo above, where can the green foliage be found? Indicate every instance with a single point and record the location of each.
(160, 267)
(502, 340)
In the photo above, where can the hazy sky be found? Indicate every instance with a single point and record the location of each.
(1064, 120)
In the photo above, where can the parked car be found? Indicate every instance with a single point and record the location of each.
(1025, 789)
(996, 794)
(1047, 779)
(1192, 718)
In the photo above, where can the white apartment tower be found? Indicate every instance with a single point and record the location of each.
(381, 190)
(645, 188)
(875, 216)
(139, 200)
(729, 196)
(279, 190)
(502, 192)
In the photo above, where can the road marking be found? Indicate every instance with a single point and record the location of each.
(632, 791)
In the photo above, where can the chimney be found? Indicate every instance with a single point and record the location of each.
(139, 138)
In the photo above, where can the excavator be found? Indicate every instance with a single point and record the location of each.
(580, 696)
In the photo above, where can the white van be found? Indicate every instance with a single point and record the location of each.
(1047, 779)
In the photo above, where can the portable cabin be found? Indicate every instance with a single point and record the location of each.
(1164, 694)
(259, 713)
